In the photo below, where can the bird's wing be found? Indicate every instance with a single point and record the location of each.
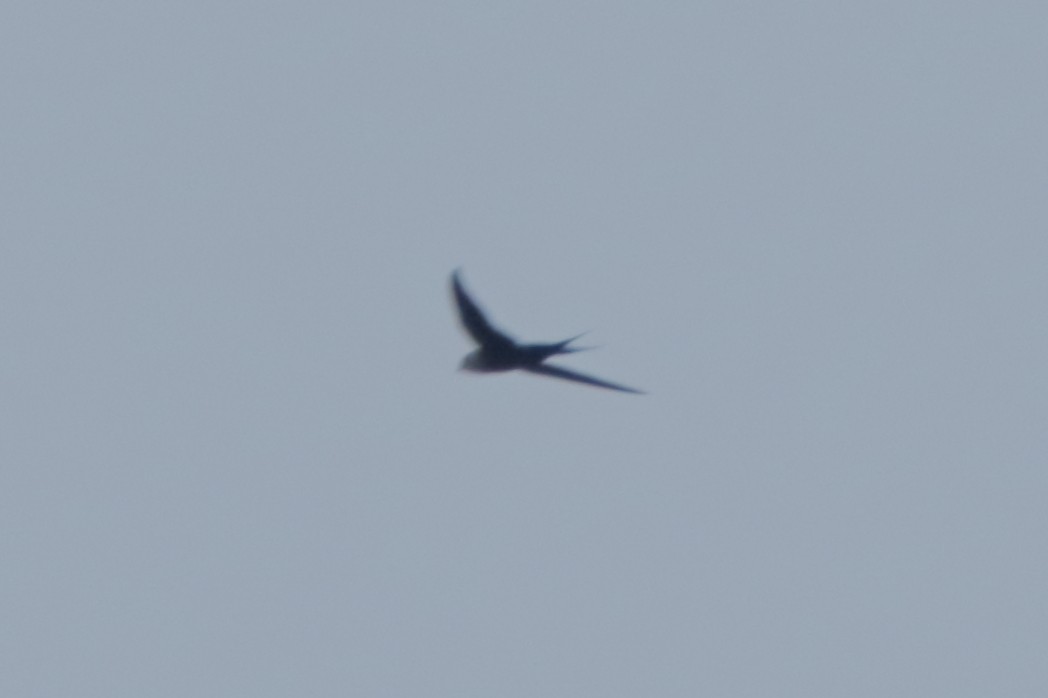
(558, 372)
(473, 320)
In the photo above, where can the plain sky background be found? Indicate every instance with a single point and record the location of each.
(236, 457)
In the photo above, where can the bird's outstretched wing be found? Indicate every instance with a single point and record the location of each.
(558, 372)
(474, 321)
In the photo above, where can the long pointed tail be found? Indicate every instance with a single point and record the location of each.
(563, 347)
(537, 353)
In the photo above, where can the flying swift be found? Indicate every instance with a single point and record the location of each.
(498, 352)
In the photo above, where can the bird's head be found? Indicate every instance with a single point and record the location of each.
(472, 362)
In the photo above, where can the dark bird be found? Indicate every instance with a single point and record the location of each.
(498, 352)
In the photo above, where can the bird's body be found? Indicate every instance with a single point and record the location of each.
(498, 352)
(487, 359)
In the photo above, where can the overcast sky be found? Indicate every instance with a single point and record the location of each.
(236, 456)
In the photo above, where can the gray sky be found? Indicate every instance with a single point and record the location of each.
(236, 456)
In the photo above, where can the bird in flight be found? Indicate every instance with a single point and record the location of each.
(498, 352)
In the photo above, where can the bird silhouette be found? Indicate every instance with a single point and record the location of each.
(498, 352)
